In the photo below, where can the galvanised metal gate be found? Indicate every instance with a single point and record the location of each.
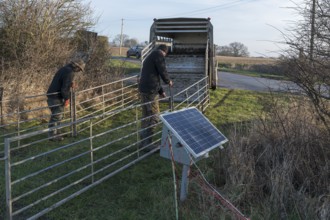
(41, 175)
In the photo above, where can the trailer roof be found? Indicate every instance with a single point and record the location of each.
(170, 26)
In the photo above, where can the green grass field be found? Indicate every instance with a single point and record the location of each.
(145, 191)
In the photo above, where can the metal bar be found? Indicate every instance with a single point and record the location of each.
(8, 179)
(91, 148)
(184, 183)
(103, 102)
(137, 127)
(112, 98)
(174, 178)
(43, 212)
(74, 113)
(122, 94)
(18, 120)
(49, 168)
(181, 22)
(27, 111)
(77, 181)
(126, 99)
(185, 27)
(51, 182)
(71, 111)
(181, 31)
(1, 107)
(48, 152)
(97, 87)
(33, 110)
(170, 99)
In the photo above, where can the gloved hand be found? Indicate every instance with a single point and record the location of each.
(66, 103)
(163, 95)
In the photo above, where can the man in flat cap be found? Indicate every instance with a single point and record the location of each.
(58, 94)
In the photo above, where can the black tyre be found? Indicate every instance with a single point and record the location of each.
(138, 55)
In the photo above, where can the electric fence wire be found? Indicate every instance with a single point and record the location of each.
(199, 11)
(203, 182)
(215, 8)
(217, 194)
(174, 176)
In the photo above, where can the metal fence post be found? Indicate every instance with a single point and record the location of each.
(73, 115)
(18, 119)
(122, 94)
(71, 112)
(1, 107)
(103, 101)
(74, 112)
(171, 98)
(198, 95)
(91, 147)
(8, 179)
(137, 129)
(207, 94)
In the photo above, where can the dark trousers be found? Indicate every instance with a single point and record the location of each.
(150, 111)
(57, 109)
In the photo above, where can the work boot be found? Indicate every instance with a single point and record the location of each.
(56, 138)
(54, 134)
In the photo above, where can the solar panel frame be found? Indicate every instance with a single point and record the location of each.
(194, 131)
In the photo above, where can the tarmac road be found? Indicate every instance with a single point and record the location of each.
(237, 81)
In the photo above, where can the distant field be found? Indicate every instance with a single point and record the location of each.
(251, 66)
(115, 51)
(246, 60)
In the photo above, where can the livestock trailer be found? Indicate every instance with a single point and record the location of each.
(191, 54)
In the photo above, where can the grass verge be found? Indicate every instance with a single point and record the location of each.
(145, 191)
(254, 74)
(125, 66)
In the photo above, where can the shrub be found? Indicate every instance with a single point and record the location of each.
(281, 162)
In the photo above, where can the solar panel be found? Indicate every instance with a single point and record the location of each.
(194, 131)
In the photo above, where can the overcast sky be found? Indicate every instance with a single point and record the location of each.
(255, 23)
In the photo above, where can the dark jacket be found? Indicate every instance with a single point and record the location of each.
(153, 69)
(61, 83)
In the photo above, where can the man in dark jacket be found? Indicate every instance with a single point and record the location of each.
(153, 70)
(59, 94)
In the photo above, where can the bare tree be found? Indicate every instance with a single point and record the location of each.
(131, 42)
(116, 40)
(224, 51)
(235, 49)
(239, 49)
(308, 59)
(36, 39)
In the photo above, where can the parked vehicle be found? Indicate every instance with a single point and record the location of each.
(134, 51)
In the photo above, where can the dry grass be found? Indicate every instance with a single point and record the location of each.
(281, 162)
(246, 60)
(116, 51)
